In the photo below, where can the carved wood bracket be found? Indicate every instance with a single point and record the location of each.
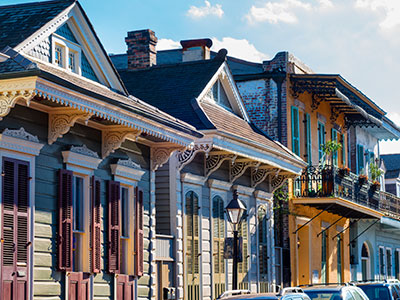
(237, 169)
(9, 99)
(61, 120)
(213, 162)
(160, 154)
(186, 156)
(113, 137)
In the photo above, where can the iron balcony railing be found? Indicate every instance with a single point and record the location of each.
(330, 181)
(390, 205)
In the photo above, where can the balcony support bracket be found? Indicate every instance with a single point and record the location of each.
(376, 221)
(309, 221)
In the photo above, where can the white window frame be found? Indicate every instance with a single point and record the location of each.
(13, 146)
(67, 47)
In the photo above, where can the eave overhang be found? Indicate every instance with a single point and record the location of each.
(340, 206)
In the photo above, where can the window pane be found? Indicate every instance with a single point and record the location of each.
(124, 212)
(71, 61)
(78, 208)
(58, 56)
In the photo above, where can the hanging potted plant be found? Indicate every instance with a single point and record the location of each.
(329, 148)
(375, 172)
(362, 178)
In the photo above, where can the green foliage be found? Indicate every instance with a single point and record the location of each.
(331, 147)
(375, 171)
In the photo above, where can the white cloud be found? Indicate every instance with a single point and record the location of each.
(389, 8)
(387, 147)
(207, 10)
(283, 11)
(166, 44)
(239, 48)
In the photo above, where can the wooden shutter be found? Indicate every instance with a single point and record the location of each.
(139, 235)
(334, 135)
(344, 150)
(321, 139)
(96, 226)
(125, 287)
(79, 286)
(113, 227)
(15, 229)
(308, 138)
(65, 220)
(295, 131)
(360, 158)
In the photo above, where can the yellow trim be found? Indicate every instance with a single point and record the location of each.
(339, 201)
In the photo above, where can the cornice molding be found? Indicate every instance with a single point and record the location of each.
(262, 195)
(243, 190)
(127, 169)
(81, 157)
(219, 184)
(20, 141)
(193, 179)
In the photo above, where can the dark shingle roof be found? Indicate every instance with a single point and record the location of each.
(18, 22)
(392, 165)
(172, 88)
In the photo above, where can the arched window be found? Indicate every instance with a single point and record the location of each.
(218, 245)
(365, 263)
(263, 248)
(243, 265)
(192, 245)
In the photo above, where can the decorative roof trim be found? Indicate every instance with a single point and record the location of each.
(219, 184)
(262, 195)
(84, 151)
(127, 169)
(21, 134)
(193, 179)
(81, 158)
(243, 190)
(20, 141)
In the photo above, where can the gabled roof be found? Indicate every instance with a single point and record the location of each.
(175, 88)
(19, 21)
(392, 164)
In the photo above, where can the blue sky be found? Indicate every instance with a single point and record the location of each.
(359, 39)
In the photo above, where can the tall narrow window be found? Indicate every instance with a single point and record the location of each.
(365, 263)
(192, 246)
(295, 131)
(389, 262)
(396, 264)
(307, 127)
(218, 245)
(72, 61)
(334, 134)
(324, 249)
(124, 228)
(58, 55)
(263, 248)
(344, 150)
(381, 262)
(78, 210)
(360, 159)
(321, 140)
(339, 258)
(243, 266)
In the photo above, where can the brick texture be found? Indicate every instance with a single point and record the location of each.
(141, 51)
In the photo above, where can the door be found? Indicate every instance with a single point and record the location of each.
(15, 234)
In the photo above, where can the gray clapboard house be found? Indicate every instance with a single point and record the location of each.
(195, 186)
(78, 157)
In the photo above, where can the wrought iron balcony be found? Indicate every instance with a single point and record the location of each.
(333, 182)
(390, 205)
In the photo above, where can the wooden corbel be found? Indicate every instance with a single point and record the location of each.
(9, 99)
(187, 155)
(113, 136)
(160, 154)
(62, 119)
(238, 168)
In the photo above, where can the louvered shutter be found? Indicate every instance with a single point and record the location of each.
(295, 131)
(139, 235)
(96, 226)
(344, 150)
(334, 135)
(308, 139)
(65, 220)
(113, 227)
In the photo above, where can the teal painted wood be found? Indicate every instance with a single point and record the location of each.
(66, 33)
(87, 70)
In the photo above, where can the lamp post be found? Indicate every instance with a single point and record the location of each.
(235, 210)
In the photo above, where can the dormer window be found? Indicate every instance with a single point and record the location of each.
(66, 54)
(218, 95)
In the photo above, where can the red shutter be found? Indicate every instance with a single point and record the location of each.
(78, 286)
(96, 226)
(139, 232)
(125, 287)
(113, 227)
(65, 220)
(15, 230)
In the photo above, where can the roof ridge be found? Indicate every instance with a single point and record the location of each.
(36, 3)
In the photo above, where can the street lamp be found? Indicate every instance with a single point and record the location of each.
(235, 210)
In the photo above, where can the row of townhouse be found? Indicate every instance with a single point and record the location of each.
(332, 224)
(115, 189)
(105, 196)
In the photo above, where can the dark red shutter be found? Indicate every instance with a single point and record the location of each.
(15, 229)
(65, 220)
(78, 286)
(139, 232)
(125, 287)
(96, 226)
(113, 227)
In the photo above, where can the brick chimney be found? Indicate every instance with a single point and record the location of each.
(141, 51)
(196, 49)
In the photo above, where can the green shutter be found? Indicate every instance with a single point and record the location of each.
(323, 257)
(295, 131)
(334, 135)
(343, 151)
(339, 259)
(308, 139)
(321, 139)
(360, 158)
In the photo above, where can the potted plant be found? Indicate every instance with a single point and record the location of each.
(362, 178)
(329, 148)
(345, 171)
(375, 172)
